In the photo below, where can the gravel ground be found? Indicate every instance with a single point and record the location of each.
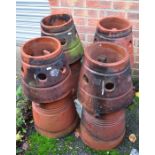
(132, 126)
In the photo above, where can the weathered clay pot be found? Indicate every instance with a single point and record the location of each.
(102, 133)
(118, 30)
(55, 119)
(105, 83)
(49, 94)
(61, 26)
(43, 62)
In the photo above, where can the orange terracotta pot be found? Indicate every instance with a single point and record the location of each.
(55, 119)
(62, 27)
(49, 94)
(102, 133)
(118, 30)
(43, 62)
(105, 83)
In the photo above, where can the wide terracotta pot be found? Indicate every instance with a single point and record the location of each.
(105, 83)
(55, 119)
(43, 62)
(118, 30)
(61, 26)
(49, 94)
(102, 133)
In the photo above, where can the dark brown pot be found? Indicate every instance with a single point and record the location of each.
(118, 30)
(61, 26)
(43, 62)
(75, 71)
(102, 133)
(49, 94)
(55, 119)
(105, 83)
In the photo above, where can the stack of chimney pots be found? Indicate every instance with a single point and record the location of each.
(105, 84)
(61, 26)
(47, 82)
(52, 77)
(105, 89)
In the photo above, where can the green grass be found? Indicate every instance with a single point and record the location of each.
(45, 146)
(41, 145)
(94, 152)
